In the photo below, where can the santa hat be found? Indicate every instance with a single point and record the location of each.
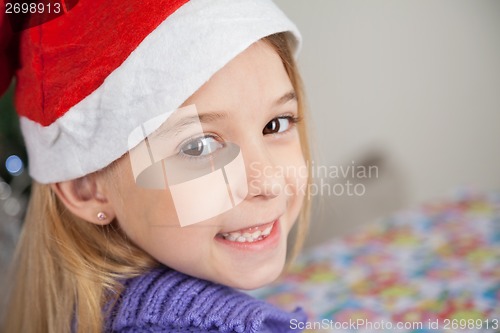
(88, 78)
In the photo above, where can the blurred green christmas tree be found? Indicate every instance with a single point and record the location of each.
(11, 141)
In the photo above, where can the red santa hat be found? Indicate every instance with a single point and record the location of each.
(88, 78)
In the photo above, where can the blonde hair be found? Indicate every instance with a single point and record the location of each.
(66, 269)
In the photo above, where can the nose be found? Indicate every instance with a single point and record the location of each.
(265, 177)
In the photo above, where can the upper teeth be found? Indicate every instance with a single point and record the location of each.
(247, 236)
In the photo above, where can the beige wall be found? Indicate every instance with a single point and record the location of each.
(418, 81)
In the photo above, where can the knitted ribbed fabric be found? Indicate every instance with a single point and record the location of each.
(164, 300)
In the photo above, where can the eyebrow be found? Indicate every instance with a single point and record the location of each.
(213, 116)
(202, 118)
(180, 125)
(289, 96)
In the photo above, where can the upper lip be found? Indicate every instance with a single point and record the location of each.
(234, 229)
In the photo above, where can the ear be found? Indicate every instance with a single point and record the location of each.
(86, 198)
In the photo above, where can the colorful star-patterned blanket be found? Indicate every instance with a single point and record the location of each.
(431, 269)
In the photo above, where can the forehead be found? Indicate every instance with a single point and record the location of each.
(255, 76)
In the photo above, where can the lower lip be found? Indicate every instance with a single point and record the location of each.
(267, 243)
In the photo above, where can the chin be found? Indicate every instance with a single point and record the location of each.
(256, 278)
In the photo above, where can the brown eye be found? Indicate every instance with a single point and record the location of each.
(277, 125)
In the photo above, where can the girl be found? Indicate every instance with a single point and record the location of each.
(144, 219)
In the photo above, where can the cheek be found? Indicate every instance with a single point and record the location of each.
(149, 220)
(142, 211)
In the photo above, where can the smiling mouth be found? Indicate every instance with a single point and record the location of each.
(249, 235)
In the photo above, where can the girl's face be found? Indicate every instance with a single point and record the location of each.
(251, 103)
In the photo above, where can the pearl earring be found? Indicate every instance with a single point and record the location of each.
(101, 216)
